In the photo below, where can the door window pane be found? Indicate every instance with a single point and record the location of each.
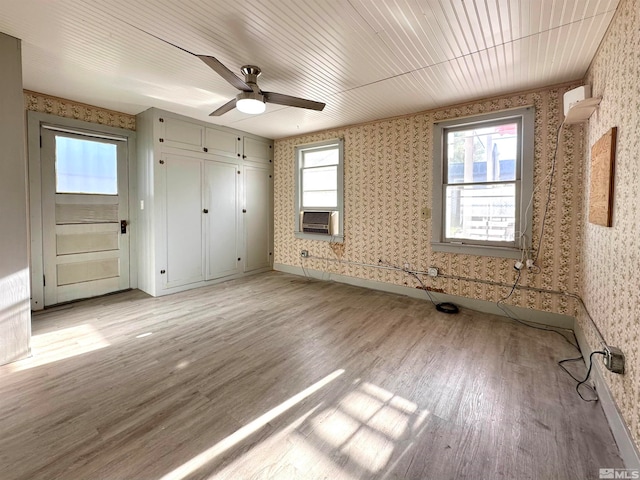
(86, 166)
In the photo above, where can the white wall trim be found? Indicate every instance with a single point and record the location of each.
(34, 121)
(544, 318)
(626, 446)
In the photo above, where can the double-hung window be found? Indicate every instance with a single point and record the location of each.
(483, 179)
(319, 190)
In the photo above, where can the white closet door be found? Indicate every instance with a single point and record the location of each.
(257, 219)
(184, 211)
(223, 219)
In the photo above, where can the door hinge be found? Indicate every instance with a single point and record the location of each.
(40, 141)
(44, 281)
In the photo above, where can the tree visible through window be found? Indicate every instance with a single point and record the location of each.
(483, 170)
(481, 182)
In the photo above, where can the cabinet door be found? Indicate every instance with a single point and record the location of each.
(256, 150)
(257, 219)
(183, 201)
(220, 142)
(223, 220)
(181, 134)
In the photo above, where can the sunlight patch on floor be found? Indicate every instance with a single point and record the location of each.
(61, 344)
(241, 434)
(361, 433)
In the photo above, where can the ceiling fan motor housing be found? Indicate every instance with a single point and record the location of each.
(251, 73)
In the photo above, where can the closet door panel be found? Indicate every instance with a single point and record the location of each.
(223, 219)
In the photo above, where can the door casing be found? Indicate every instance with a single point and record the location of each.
(35, 120)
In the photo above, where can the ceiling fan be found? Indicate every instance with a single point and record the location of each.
(251, 98)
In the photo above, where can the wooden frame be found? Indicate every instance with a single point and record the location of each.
(603, 155)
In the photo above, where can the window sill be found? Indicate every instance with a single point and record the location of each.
(320, 237)
(480, 250)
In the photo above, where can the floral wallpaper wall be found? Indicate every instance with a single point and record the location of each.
(39, 102)
(387, 178)
(611, 264)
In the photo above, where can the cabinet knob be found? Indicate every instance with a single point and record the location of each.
(244, 156)
(244, 210)
(162, 272)
(205, 149)
(239, 259)
(205, 211)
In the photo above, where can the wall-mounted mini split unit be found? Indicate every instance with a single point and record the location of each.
(325, 223)
(579, 105)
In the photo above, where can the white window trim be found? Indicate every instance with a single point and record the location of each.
(438, 244)
(339, 238)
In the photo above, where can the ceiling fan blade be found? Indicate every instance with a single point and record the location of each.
(230, 105)
(288, 100)
(224, 72)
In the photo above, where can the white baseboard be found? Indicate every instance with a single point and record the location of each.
(621, 434)
(544, 318)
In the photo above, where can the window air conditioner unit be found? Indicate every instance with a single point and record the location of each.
(320, 222)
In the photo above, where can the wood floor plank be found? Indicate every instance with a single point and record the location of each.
(280, 377)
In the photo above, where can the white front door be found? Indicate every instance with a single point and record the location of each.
(84, 214)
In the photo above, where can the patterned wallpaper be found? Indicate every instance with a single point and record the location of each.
(387, 177)
(611, 256)
(42, 103)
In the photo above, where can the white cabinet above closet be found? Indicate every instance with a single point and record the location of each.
(206, 203)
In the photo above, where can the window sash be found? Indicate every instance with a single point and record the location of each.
(307, 192)
(491, 223)
(441, 238)
(478, 125)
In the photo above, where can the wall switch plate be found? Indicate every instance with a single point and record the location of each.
(304, 253)
(432, 271)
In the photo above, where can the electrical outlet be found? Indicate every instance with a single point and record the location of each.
(304, 253)
(432, 271)
(613, 359)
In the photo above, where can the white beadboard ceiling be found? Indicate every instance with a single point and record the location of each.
(366, 59)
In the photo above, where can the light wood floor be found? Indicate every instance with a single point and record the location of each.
(277, 376)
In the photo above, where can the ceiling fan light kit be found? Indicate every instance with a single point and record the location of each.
(250, 102)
